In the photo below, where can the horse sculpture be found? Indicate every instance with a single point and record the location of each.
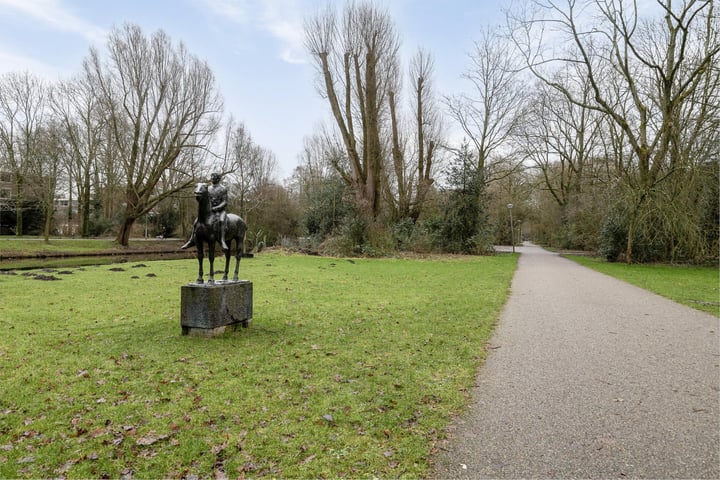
(207, 231)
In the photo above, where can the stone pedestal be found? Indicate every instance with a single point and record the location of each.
(208, 310)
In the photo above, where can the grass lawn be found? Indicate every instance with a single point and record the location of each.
(351, 368)
(34, 245)
(696, 287)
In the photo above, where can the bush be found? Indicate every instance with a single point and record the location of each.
(98, 226)
(462, 223)
(665, 229)
(166, 221)
(420, 237)
(326, 208)
(614, 235)
(464, 220)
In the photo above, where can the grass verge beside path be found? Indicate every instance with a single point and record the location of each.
(351, 368)
(696, 287)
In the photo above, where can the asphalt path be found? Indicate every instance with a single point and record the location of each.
(590, 377)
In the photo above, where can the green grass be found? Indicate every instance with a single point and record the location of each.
(349, 369)
(32, 252)
(36, 245)
(696, 287)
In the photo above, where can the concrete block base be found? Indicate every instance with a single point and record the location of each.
(209, 310)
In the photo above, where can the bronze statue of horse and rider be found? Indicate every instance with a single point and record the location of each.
(213, 225)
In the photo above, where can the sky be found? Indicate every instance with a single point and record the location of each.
(254, 48)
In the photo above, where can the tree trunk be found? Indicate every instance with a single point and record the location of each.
(85, 220)
(631, 236)
(48, 219)
(403, 202)
(123, 236)
(19, 200)
(70, 203)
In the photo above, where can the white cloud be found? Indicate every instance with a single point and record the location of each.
(55, 15)
(11, 62)
(285, 22)
(282, 19)
(234, 10)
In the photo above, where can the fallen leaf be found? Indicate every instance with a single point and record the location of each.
(216, 449)
(150, 439)
(307, 460)
(98, 432)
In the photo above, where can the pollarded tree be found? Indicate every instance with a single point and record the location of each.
(356, 56)
(161, 103)
(414, 158)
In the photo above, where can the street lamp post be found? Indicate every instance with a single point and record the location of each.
(512, 228)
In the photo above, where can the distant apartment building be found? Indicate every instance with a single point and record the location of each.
(65, 217)
(7, 187)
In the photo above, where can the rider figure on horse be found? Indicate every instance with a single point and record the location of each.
(218, 199)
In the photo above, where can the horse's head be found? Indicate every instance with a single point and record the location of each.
(201, 191)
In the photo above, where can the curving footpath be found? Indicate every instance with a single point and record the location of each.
(590, 377)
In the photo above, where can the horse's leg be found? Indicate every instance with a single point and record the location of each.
(240, 240)
(238, 254)
(228, 242)
(211, 259)
(199, 254)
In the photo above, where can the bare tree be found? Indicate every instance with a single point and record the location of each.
(560, 139)
(250, 167)
(47, 168)
(413, 167)
(356, 58)
(160, 102)
(77, 106)
(318, 160)
(490, 114)
(23, 102)
(641, 72)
